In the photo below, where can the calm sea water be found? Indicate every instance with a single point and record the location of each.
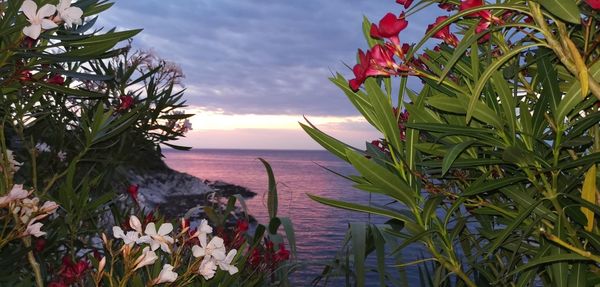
(320, 229)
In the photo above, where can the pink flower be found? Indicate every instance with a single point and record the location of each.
(444, 33)
(487, 19)
(126, 102)
(25, 76)
(133, 191)
(282, 254)
(468, 4)
(389, 27)
(406, 3)
(595, 4)
(56, 80)
(360, 70)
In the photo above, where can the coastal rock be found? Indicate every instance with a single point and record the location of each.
(174, 193)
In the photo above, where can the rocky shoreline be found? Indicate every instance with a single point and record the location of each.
(174, 193)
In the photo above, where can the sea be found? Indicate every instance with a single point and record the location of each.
(319, 229)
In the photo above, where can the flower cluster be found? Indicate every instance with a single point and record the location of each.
(49, 16)
(210, 252)
(27, 210)
(380, 60)
(266, 258)
(70, 272)
(12, 164)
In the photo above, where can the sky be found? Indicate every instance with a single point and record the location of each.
(254, 68)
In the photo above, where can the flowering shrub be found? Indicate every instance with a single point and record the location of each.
(492, 169)
(74, 103)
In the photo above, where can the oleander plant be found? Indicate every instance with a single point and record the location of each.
(75, 101)
(491, 164)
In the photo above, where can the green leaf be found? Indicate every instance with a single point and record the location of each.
(548, 78)
(384, 114)
(379, 243)
(288, 227)
(511, 227)
(453, 154)
(382, 178)
(358, 99)
(546, 260)
(578, 275)
(565, 9)
(485, 76)
(431, 206)
(468, 39)
(330, 143)
(358, 233)
(372, 209)
(272, 194)
(492, 185)
(583, 161)
(501, 86)
(70, 92)
(573, 95)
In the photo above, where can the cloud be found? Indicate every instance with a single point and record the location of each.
(260, 56)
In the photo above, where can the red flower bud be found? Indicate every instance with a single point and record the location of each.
(241, 226)
(40, 245)
(126, 102)
(133, 191)
(25, 76)
(56, 80)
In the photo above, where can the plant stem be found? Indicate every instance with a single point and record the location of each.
(554, 44)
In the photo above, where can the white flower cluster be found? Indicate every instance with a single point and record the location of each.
(13, 164)
(28, 209)
(213, 253)
(48, 16)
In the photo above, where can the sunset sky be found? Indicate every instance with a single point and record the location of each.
(254, 68)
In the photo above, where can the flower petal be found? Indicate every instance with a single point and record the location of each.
(165, 229)
(135, 223)
(118, 232)
(198, 251)
(33, 31)
(48, 24)
(150, 229)
(46, 11)
(29, 8)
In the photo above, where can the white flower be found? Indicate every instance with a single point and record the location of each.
(49, 207)
(27, 207)
(71, 15)
(186, 126)
(34, 229)
(135, 223)
(148, 257)
(62, 156)
(37, 18)
(130, 238)
(215, 248)
(16, 193)
(166, 275)
(203, 230)
(14, 165)
(160, 238)
(208, 268)
(225, 264)
(42, 147)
